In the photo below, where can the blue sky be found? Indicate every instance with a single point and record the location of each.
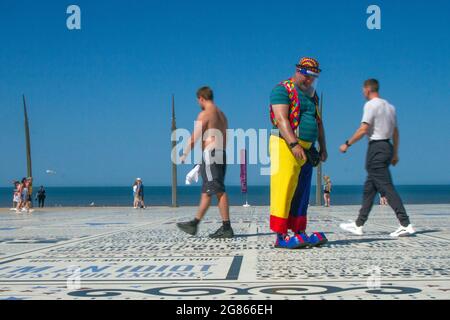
(99, 98)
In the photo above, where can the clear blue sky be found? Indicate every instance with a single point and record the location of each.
(99, 98)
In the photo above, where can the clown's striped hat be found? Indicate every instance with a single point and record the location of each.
(309, 66)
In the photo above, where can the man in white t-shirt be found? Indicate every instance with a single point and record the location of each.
(379, 123)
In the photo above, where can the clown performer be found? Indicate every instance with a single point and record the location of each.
(296, 127)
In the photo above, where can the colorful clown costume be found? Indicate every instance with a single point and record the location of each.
(290, 185)
(290, 181)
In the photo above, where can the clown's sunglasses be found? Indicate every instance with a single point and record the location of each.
(307, 72)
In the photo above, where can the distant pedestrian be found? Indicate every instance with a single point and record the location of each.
(16, 196)
(29, 202)
(140, 194)
(23, 190)
(327, 191)
(27, 195)
(383, 200)
(135, 195)
(20, 193)
(40, 197)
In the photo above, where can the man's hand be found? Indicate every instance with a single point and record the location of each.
(343, 148)
(183, 158)
(395, 160)
(323, 155)
(298, 152)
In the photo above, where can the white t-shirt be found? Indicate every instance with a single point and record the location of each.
(381, 117)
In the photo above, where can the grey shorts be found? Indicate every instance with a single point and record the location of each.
(213, 169)
(25, 195)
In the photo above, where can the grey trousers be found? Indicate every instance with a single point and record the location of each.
(379, 180)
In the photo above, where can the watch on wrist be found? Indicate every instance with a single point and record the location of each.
(347, 144)
(293, 145)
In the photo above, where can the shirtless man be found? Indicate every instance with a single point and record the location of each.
(211, 126)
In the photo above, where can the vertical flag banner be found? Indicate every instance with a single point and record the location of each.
(244, 171)
(244, 176)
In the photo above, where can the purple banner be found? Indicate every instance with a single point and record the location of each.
(244, 171)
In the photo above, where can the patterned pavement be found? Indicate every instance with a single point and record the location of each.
(122, 253)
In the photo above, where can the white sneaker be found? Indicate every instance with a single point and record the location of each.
(403, 231)
(352, 227)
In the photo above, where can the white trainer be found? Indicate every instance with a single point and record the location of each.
(352, 227)
(403, 231)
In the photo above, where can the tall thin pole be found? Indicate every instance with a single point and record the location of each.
(319, 167)
(27, 139)
(174, 165)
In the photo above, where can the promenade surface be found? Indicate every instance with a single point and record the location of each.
(122, 253)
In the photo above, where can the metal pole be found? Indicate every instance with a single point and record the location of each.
(319, 167)
(27, 139)
(174, 165)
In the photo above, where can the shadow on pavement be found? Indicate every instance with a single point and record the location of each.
(428, 231)
(254, 235)
(263, 234)
(358, 240)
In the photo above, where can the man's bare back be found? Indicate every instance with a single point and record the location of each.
(214, 128)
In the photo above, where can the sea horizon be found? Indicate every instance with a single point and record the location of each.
(258, 195)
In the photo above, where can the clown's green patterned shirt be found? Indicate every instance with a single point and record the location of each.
(308, 124)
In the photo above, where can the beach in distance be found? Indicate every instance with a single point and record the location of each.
(189, 195)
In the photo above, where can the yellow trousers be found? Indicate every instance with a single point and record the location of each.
(285, 174)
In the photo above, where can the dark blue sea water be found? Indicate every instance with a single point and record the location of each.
(189, 196)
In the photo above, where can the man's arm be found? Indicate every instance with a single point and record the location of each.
(200, 126)
(322, 142)
(396, 140)
(281, 112)
(358, 135)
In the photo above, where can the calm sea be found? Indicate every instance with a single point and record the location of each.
(189, 196)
